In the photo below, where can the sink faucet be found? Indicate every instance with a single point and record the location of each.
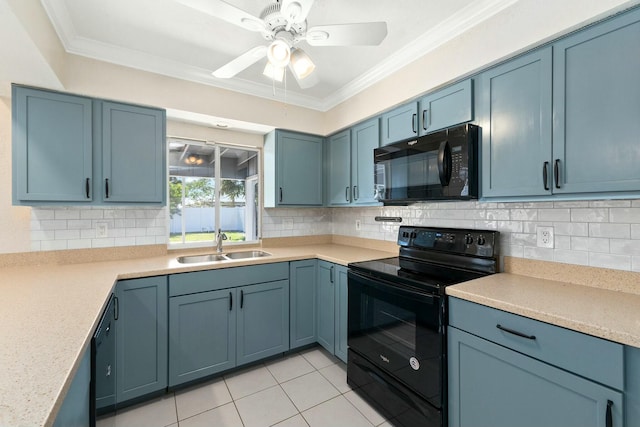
(220, 236)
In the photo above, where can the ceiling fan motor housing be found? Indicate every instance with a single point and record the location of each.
(276, 22)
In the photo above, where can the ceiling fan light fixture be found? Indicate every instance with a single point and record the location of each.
(273, 72)
(279, 53)
(301, 63)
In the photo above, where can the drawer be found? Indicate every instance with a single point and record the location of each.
(211, 280)
(585, 355)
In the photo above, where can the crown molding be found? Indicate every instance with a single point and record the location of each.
(452, 27)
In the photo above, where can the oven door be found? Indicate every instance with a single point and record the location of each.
(398, 329)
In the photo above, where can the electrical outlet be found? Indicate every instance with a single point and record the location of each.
(101, 230)
(545, 237)
(358, 225)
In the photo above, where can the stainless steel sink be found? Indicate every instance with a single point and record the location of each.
(191, 259)
(246, 254)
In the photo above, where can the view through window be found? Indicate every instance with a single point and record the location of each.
(211, 187)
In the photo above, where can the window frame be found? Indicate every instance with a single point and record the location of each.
(218, 147)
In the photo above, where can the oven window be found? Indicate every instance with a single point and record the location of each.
(392, 325)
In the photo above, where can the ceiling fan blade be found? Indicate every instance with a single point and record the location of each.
(296, 11)
(223, 10)
(362, 34)
(309, 81)
(243, 61)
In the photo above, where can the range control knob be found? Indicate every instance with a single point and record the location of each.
(481, 240)
(468, 239)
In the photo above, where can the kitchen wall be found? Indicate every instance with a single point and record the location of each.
(595, 233)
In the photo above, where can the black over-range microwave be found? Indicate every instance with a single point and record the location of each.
(439, 166)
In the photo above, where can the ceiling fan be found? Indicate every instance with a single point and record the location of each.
(284, 24)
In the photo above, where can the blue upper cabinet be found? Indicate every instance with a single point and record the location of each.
(365, 137)
(399, 124)
(516, 140)
(338, 167)
(596, 106)
(133, 153)
(52, 147)
(446, 107)
(73, 150)
(292, 169)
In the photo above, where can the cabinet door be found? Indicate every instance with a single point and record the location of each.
(202, 328)
(596, 108)
(263, 320)
(338, 170)
(133, 153)
(516, 137)
(52, 146)
(490, 385)
(447, 107)
(326, 305)
(341, 307)
(141, 337)
(365, 138)
(632, 386)
(399, 124)
(302, 302)
(299, 160)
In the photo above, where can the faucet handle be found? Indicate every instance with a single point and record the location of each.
(221, 235)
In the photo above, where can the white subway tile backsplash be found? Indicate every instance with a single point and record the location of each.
(124, 241)
(53, 224)
(590, 215)
(145, 240)
(543, 254)
(53, 245)
(614, 231)
(67, 214)
(67, 234)
(79, 224)
(635, 263)
(79, 244)
(610, 204)
(91, 214)
(571, 257)
(635, 231)
(626, 215)
(107, 242)
(560, 214)
(625, 247)
(619, 262)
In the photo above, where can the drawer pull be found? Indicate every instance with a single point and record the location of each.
(519, 334)
(609, 418)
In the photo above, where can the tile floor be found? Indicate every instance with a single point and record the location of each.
(306, 389)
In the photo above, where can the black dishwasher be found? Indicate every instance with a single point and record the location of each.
(103, 355)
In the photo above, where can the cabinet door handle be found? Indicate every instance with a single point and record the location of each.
(413, 122)
(514, 332)
(346, 194)
(230, 301)
(106, 187)
(424, 119)
(331, 274)
(609, 416)
(87, 187)
(545, 172)
(356, 196)
(556, 172)
(116, 308)
(241, 298)
(280, 194)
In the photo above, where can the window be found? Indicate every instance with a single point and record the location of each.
(212, 187)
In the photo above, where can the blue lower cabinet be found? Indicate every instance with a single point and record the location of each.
(632, 386)
(340, 335)
(302, 302)
(141, 337)
(332, 308)
(263, 321)
(202, 328)
(74, 411)
(491, 385)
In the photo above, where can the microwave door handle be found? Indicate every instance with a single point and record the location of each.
(444, 163)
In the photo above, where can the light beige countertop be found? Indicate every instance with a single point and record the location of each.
(601, 312)
(48, 314)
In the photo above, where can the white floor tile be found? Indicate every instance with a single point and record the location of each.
(201, 398)
(296, 421)
(289, 368)
(319, 357)
(157, 413)
(365, 409)
(337, 375)
(265, 408)
(250, 381)
(337, 411)
(309, 390)
(225, 415)
(106, 421)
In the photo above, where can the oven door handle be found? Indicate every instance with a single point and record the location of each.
(391, 288)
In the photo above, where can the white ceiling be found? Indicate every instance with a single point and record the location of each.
(165, 37)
